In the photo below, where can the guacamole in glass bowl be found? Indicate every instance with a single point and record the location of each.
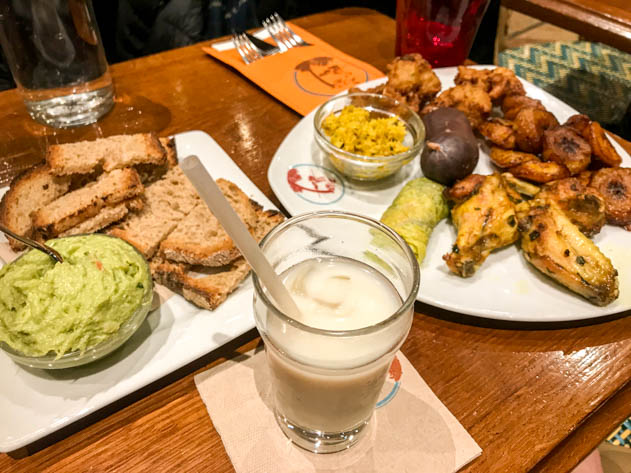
(58, 315)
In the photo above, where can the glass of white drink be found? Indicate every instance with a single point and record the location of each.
(354, 281)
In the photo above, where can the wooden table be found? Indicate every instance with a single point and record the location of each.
(533, 399)
(605, 21)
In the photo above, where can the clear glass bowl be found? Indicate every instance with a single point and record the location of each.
(78, 358)
(370, 168)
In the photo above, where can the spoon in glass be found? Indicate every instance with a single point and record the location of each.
(33, 244)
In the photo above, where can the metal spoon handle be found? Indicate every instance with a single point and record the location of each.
(33, 244)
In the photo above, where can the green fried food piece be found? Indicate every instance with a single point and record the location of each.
(415, 212)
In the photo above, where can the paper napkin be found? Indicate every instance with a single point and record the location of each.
(302, 77)
(412, 431)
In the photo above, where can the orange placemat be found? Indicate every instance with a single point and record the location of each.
(303, 77)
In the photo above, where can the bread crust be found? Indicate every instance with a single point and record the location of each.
(29, 191)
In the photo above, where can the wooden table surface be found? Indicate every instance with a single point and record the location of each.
(605, 21)
(533, 398)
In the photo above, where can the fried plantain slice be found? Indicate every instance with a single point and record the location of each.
(499, 132)
(578, 123)
(614, 184)
(564, 146)
(505, 159)
(529, 125)
(538, 171)
(583, 205)
(512, 104)
(602, 149)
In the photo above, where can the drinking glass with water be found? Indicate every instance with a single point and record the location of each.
(54, 50)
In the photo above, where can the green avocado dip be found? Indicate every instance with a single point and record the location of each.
(64, 307)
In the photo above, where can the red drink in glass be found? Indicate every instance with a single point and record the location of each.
(442, 31)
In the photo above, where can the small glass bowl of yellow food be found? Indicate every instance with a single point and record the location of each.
(368, 136)
(61, 315)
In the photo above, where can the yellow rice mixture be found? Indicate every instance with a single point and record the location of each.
(354, 131)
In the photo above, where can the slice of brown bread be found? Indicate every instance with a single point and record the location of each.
(74, 207)
(168, 143)
(107, 216)
(167, 202)
(200, 238)
(149, 172)
(208, 287)
(113, 152)
(28, 193)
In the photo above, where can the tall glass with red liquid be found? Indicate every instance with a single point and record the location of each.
(442, 31)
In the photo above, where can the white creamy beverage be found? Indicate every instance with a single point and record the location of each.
(332, 383)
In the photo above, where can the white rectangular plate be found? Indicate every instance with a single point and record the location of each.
(35, 403)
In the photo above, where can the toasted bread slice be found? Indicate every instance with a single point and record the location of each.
(167, 202)
(150, 172)
(107, 216)
(168, 143)
(208, 287)
(114, 152)
(74, 207)
(200, 238)
(28, 193)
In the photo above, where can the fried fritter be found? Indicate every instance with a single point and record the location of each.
(538, 171)
(529, 125)
(504, 83)
(578, 123)
(614, 184)
(499, 132)
(474, 102)
(411, 80)
(564, 146)
(505, 159)
(485, 221)
(583, 205)
(476, 77)
(602, 149)
(498, 83)
(512, 104)
(556, 247)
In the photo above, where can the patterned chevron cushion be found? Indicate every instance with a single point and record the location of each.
(591, 77)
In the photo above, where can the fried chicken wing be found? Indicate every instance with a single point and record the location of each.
(485, 220)
(529, 125)
(556, 247)
(473, 101)
(499, 132)
(512, 104)
(614, 184)
(583, 205)
(523, 189)
(476, 77)
(564, 146)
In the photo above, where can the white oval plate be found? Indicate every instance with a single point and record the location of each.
(506, 287)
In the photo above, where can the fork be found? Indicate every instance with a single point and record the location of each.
(282, 34)
(246, 49)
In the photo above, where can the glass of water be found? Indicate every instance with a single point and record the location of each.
(56, 56)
